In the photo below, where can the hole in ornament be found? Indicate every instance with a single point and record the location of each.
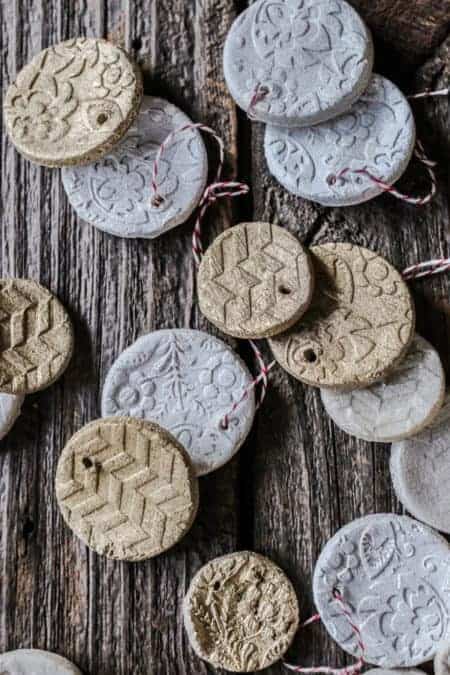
(310, 355)
(136, 43)
(331, 179)
(216, 585)
(284, 290)
(102, 118)
(223, 424)
(264, 90)
(157, 200)
(87, 463)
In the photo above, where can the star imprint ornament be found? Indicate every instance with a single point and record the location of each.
(420, 471)
(394, 575)
(255, 280)
(376, 134)
(359, 325)
(241, 612)
(114, 193)
(187, 381)
(35, 662)
(398, 407)
(309, 60)
(126, 488)
(73, 102)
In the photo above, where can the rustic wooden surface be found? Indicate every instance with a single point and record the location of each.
(298, 478)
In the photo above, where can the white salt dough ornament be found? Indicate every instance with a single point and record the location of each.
(420, 471)
(115, 193)
(442, 659)
(309, 60)
(394, 671)
(186, 381)
(376, 134)
(393, 574)
(10, 406)
(35, 662)
(398, 407)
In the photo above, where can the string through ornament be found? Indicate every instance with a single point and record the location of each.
(259, 94)
(426, 269)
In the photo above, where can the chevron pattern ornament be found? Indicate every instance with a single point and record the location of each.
(126, 488)
(255, 280)
(36, 337)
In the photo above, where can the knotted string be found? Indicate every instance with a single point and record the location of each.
(259, 94)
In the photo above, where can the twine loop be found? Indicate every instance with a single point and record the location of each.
(259, 94)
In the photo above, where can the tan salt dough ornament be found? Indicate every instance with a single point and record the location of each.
(36, 337)
(241, 612)
(359, 326)
(255, 280)
(126, 488)
(73, 102)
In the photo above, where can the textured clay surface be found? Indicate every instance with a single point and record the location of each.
(255, 280)
(241, 612)
(185, 380)
(394, 575)
(10, 407)
(314, 59)
(73, 102)
(441, 661)
(420, 471)
(35, 662)
(398, 407)
(36, 338)
(114, 192)
(126, 488)
(377, 134)
(360, 323)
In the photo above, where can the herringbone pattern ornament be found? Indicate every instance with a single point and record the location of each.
(36, 337)
(255, 280)
(126, 488)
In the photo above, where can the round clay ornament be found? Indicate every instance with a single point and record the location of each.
(376, 134)
(35, 662)
(393, 574)
(441, 661)
(359, 326)
(10, 407)
(126, 488)
(114, 193)
(73, 102)
(394, 671)
(255, 280)
(36, 337)
(258, 612)
(309, 60)
(187, 381)
(398, 407)
(420, 469)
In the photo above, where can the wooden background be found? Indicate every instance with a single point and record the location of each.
(298, 478)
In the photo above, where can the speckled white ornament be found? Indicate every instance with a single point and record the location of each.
(10, 407)
(394, 576)
(376, 134)
(314, 59)
(186, 381)
(35, 662)
(420, 471)
(398, 407)
(114, 193)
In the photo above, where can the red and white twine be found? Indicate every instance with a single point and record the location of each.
(426, 269)
(428, 93)
(259, 94)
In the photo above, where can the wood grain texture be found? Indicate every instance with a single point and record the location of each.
(298, 478)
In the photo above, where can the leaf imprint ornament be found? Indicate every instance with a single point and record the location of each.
(35, 662)
(241, 612)
(359, 325)
(376, 134)
(398, 407)
(420, 472)
(73, 102)
(394, 575)
(310, 60)
(185, 380)
(114, 192)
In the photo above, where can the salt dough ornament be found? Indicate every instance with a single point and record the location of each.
(442, 659)
(311, 60)
(255, 280)
(35, 662)
(394, 575)
(114, 193)
(257, 607)
(187, 381)
(36, 337)
(10, 407)
(126, 488)
(394, 671)
(398, 407)
(73, 102)
(420, 470)
(376, 134)
(359, 326)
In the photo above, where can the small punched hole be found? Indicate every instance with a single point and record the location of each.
(137, 43)
(310, 355)
(102, 118)
(87, 463)
(284, 290)
(331, 179)
(157, 200)
(216, 585)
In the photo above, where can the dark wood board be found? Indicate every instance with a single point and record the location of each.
(298, 478)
